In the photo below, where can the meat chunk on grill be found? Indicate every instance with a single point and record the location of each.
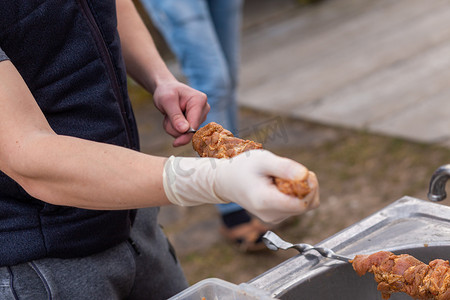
(404, 273)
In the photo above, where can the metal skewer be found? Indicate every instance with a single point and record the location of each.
(191, 130)
(274, 242)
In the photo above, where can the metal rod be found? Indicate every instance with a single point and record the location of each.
(191, 130)
(274, 242)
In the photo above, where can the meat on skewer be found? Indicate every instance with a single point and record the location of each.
(213, 140)
(405, 273)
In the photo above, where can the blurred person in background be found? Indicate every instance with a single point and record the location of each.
(205, 37)
(78, 201)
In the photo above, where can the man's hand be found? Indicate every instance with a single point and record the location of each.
(182, 107)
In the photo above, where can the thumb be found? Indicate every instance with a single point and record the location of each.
(176, 116)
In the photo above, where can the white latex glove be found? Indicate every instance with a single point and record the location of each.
(245, 179)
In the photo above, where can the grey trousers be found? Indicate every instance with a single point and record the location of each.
(144, 267)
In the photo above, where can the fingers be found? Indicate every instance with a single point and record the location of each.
(285, 205)
(183, 107)
(279, 206)
(169, 128)
(310, 201)
(197, 109)
(182, 140)
(175, 121)
(281, 167)
(195, 114)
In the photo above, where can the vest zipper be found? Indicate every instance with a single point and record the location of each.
(106, 58)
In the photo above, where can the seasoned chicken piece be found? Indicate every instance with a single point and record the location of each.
(404, 273)
(298, 188)
(213, 140)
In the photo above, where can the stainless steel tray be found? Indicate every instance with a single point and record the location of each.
(409, 225)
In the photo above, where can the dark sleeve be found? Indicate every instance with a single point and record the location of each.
(3, 55)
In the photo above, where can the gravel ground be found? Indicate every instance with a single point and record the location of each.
(359, 173)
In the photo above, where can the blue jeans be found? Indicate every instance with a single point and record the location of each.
(205, 37)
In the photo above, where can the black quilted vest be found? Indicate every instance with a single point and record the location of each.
(68, 53)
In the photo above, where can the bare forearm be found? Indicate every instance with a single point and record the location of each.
(69, 171)
(142, 59)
